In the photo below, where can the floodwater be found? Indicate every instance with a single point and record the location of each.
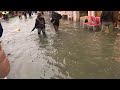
(73, 53)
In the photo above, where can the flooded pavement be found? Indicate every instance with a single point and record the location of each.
(73, 53)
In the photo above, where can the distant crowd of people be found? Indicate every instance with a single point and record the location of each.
(7, 14)
(24, 13)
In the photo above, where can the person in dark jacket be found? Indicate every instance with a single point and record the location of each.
(107, 20)
(20, 14)
(1, 30)
(55, 17)
(40, 24)
(30, 13)
(25, 14)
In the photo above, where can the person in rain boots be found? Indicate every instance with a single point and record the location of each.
(40, 24)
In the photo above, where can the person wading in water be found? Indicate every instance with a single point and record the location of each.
(55, 17)
(40, 24)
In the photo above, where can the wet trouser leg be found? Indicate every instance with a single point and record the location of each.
(7, 18)
(25, 15)
(107, 24)
(56, 27)
(110, 27)
(103, 27)
(4, 16)
(43, 31)
(20, 16)
(1, 34)
(39, 31)
(29, 14)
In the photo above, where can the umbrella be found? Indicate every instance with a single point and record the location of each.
(5, 12)
(56, 15)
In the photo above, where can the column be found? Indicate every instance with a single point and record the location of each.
(92, 13)
(69, 14)
(89, 13)
(76, 15)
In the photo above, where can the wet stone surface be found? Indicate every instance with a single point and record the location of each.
(73, 53)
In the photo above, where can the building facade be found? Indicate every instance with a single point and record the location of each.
(75, 15)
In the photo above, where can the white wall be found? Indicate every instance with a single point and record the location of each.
(91, 13)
